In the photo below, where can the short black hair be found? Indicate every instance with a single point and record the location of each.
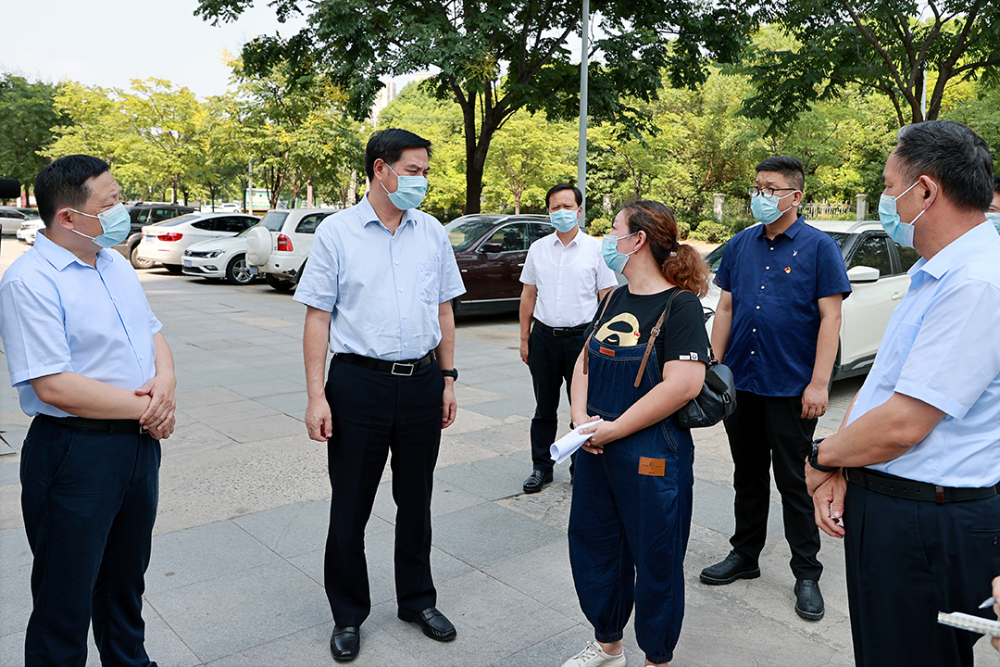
(63, 182)
(952, 154)
(787, 166)
(996, 183)
(564, 186)
(389, 145)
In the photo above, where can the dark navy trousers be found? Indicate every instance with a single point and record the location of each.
(89, 502)
(551, 360)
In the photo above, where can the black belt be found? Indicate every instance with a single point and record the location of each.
(399, 368)
(559, 332)
(899, 487)
(128, 426)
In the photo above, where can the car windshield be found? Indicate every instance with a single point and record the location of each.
(465, 231)
(178, 220)
(274, 220)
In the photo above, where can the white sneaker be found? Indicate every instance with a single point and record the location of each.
(594, 656)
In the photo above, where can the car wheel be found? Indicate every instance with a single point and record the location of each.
(139, 262)
(173, 268)
(278, 283)
(238, 271)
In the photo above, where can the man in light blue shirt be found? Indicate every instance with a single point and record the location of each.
(918, 456)
(378, 286)
(90, 365)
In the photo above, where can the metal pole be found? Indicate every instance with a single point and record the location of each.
(581, 162)
(923, 96)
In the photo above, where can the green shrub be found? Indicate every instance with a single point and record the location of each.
(683, 230)
(711, 232)
(599, 227)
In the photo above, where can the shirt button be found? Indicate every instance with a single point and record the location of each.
(755, 331)
(140, 357)
(397, 263)
(752, 352)
(400, 289)
(767, 268)
(772, 248)
(758, 307)
(762, 287)
(406, 345)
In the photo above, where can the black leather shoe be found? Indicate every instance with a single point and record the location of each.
(537, 480)
(434, 624)
(735, 566)
(808, 600)
(345, 643)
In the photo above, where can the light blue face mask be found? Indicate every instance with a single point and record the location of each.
(410, 191)
(115, 222)
(615, 260)
(765, 208)
(994, 217)
(899, 231)
(564, 220)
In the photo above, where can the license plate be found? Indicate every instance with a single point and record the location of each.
(186, 262)
(148, 239)
(254, 270)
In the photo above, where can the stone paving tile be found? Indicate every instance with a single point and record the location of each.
(556, 650)
(490, 478)
(241, 610)
(500, 534)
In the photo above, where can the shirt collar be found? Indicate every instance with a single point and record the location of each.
(559, 244)
(368, 214)
(58, 256)
(955, 253)
(791, 232)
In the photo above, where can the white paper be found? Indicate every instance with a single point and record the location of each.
(957, 619)
(564, 447)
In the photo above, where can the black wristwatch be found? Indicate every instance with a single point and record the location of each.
(453, 373)
(814, 453)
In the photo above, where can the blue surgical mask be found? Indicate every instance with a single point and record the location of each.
(615, 260)
(564, 220)
(410, 191)
(765, 207)
(994, 217)
(115, 223)
(899, 231)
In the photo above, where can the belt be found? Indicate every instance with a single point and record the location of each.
(399, 368)
(899, 487)
(559, 332)
(129, 426)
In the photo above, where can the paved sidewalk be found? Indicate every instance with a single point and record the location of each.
(236, 574)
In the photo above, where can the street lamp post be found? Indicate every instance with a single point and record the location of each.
(581, 162)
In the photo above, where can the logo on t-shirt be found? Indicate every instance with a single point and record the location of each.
(621, 330)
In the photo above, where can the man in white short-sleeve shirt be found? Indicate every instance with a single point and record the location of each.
(564, 279)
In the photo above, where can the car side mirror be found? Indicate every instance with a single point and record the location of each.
(491, 246)
(863, 274)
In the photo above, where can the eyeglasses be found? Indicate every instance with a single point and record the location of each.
(753, 190)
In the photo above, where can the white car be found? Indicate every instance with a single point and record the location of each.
(165, 242)
(222, 208)
(279, 246)
(26, 232)
(219, 258)
(10, 219)
(876, 267)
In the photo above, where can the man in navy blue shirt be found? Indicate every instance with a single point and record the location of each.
(777, 326)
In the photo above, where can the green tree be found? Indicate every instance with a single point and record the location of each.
(28, 116)
(880, 46)
(495, 58)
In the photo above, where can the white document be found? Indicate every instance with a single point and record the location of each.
(564, 447)
(971, 623)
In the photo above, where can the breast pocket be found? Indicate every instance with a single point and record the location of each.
(427, 281)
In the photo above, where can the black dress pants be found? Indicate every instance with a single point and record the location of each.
(766, 431)
(89, 502)
(906, 561)
(375, 413)
(551, 360)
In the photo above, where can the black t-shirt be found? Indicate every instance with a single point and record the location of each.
(630, 318)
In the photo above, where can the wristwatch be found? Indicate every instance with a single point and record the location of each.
(452, 373)
(814, 453)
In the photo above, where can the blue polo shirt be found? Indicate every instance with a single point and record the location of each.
(776, 285)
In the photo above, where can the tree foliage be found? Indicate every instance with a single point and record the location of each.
(28, 117)
(494, 58)
(875, 46)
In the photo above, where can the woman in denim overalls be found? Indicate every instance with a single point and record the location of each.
(631, 512)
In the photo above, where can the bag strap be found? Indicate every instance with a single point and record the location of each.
(664, 316)
(586, 345)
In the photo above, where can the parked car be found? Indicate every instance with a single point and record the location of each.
(222, 208)
(26, 232)
(876, 267)
(10, 219)
(165, 242)
(279, 246)
(220, 258)
(490, 250)
(146, 214)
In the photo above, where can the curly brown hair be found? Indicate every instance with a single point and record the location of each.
(681, 265)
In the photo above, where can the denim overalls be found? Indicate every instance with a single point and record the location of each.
(631, 513)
